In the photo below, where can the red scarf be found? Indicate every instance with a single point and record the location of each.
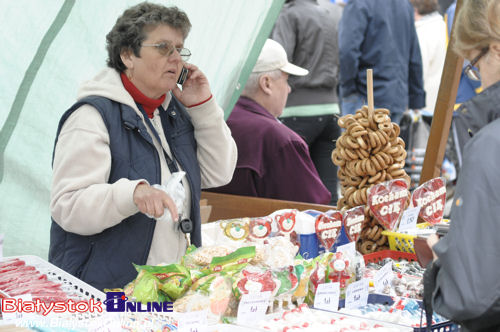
(147, 103)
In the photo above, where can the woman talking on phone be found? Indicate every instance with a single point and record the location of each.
(133, 127)
(463, 282)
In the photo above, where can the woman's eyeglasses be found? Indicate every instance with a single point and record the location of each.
(167, 49)
(470, 70)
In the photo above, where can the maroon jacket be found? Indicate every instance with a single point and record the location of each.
(273, 161)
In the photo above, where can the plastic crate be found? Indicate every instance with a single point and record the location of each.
(376, 257)
(69, 283)
(403, 242)
(74, 287)
(400, 242)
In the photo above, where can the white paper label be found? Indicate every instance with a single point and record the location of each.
(253, 307)
(327, 296)
(409, 219)
(12, 317)
(357, 294)
(195, 321)
(349, 249)
(383, 277)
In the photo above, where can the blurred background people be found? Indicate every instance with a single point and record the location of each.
(308, 32)
(431, 32)
(133, 127)
(273, 161)
(467, 88)
(381, 35)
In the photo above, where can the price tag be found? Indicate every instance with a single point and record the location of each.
(195, 321)
(253, 307)
(349, 249)
(409, 219)
(357, 294)
(383, 277)
(327, 296)
(16, 316)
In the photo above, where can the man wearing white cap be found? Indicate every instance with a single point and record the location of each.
(273, 161)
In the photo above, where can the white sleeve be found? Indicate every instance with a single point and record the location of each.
(217, 153)
(82, 201)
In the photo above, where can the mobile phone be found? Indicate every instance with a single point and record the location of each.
(182, 76)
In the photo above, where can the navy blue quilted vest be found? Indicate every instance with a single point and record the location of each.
(105, 260)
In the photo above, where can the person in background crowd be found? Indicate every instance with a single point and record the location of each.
(431, 32)
(308, 32)
(443, 5)
(467, 88)
(338, 2)
(462, 282)
(273, 161)
(133, 127)
(380, 34)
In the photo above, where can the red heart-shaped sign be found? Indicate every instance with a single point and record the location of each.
(387, 201)
(260, 228)
(328, 228)
(431, 197)
(353, 221)
(286, 221)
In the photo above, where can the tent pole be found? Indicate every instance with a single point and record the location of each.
(441, 122)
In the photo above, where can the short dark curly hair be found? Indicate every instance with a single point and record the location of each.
(131, 27)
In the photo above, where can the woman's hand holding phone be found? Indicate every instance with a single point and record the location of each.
(195, 89)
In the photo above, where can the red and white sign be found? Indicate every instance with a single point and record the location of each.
(431, 198)
(387, 201)
(353, 221)
(328, 228)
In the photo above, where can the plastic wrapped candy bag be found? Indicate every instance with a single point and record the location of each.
(254, 280)
(145, 288)
(212, 293)
(288, 282)
(303, 270)
(174, 279)
(198, 258)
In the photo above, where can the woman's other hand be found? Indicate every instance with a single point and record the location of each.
(431, 241)
(152, 201)
(195, 89)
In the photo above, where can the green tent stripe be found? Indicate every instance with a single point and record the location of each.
(29, 76)
(263, 34)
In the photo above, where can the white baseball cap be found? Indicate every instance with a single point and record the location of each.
(272, 57)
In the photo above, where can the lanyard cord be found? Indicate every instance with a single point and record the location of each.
(172, 166)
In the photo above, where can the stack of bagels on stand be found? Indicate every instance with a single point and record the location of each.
(369, 151)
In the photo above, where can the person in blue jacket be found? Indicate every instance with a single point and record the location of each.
(380, 35)
(467, 88)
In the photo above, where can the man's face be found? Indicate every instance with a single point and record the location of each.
(280, 89)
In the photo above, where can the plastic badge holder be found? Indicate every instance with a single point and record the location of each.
(175, 190)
